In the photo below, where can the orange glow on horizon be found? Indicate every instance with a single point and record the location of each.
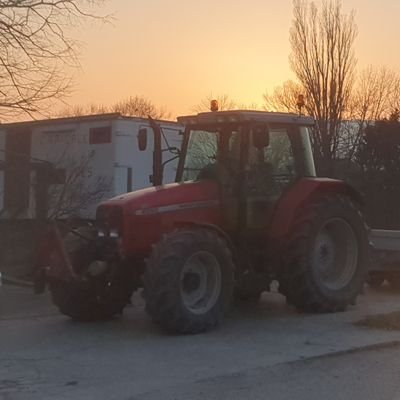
(177, 53)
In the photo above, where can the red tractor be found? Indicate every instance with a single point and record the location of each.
(246, 209)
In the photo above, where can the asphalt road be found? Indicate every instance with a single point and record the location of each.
(362, 375)
(265, 351)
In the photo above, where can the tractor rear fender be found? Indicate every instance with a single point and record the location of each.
(304, 191)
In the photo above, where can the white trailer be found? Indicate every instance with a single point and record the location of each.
(91, 158)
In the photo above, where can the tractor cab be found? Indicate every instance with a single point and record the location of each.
(253, 156)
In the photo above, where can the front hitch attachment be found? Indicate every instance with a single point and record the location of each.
(65, 270)
(50, 267)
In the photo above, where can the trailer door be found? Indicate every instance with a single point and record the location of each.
(17, 170)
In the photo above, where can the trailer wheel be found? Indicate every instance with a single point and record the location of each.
(102, 291)
(188, 281)
(326, 259)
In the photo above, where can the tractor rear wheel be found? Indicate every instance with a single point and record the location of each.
(188, 281)
(100, 293)
(326, 259)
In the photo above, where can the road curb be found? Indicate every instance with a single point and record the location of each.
(356, 349)
(305, 359)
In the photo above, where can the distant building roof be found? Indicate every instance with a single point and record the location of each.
(80, 118)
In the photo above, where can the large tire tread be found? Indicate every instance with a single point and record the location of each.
(75, 301)
(296, 282)
(162, 273)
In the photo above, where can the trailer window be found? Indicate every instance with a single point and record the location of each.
(100, 135)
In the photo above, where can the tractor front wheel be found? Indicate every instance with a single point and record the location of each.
(188, 281)
(327, 256)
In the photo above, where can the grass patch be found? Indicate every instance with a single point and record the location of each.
(388, 322)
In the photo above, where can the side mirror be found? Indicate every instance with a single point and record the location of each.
(142, 139)
(260, 136)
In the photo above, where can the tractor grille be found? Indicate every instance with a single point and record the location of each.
(109, 221)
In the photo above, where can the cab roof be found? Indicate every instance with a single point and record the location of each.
(233, 116)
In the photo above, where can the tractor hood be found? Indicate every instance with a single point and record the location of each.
(141, 218)
(167, 198)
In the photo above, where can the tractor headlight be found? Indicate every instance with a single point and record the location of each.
(101, 233)
(114, 233)
(109, 222)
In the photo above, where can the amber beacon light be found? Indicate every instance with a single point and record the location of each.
(214, 105)
(300, 102)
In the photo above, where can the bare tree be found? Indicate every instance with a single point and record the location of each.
(77, 193)
(323, 59)
(139, 106)
(375, 97)
(35, 51)
(133, 106)
(80, 110)
(376, 94)
(283, 98)
(249, 106)
(224, 103)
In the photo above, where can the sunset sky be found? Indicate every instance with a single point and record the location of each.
(176, 52)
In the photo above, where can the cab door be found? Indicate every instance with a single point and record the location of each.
(271, 170)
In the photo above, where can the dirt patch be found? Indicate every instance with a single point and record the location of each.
(388, 322)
